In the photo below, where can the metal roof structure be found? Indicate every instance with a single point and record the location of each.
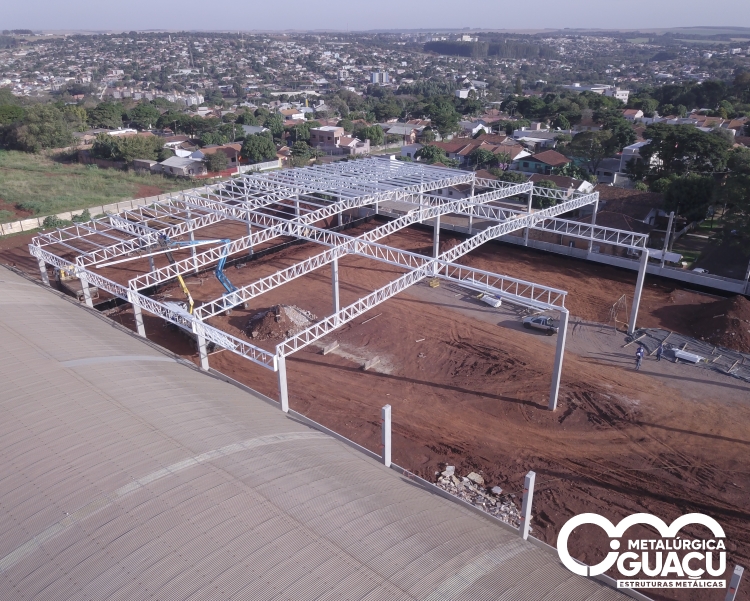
(289, 204)
(129, 474)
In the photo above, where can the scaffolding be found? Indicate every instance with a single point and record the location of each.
(291, 204)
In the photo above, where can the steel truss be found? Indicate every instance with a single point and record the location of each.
(262, 203)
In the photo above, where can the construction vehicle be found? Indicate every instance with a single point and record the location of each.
(166, 243)
(71, 283)
(543, 323)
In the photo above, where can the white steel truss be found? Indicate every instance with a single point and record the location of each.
(329, 189)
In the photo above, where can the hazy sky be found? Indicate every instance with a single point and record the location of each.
(367, 14)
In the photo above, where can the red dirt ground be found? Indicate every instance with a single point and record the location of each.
(474, 394)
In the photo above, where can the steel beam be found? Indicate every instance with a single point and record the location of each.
(335, 284)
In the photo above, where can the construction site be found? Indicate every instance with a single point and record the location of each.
(336, 289)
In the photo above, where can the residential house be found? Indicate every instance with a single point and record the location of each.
(632, 114)
(232, 152)
(183, 166)
(472, 128)
(408, 133)
(542, 162)
(327, 135)
(251, 130)
(564, 183)
(292, 115)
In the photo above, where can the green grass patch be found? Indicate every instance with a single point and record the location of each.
(32, 185)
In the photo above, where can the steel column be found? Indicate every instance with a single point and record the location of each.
(202, 351)
(436, 238)
(138, 314)
(43, 271)
(638, 289)
(734, 583)
(667, 235)
(86, 290)
(559, 354)
(593, 223)
(335, 285)
(385, 415)
(528, 496)
(283, 391)
(528, 210)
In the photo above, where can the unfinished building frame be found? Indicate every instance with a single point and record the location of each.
(293, 204)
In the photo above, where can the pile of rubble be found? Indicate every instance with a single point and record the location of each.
(278, 322)
(472, 489)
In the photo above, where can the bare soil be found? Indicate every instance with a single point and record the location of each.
(472, 392)
(725, 323)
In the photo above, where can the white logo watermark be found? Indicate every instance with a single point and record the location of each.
(666, 562)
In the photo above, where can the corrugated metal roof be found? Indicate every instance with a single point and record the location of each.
(125, 474)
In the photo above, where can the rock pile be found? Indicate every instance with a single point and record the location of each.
(471, 488)
(278, 322)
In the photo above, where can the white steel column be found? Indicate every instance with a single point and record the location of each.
(638, 290)
(249, 233)
(86, 289)
(593, 223)
(528, 496)
(200, 337)
(137, 314)
(436, 238)
(335, 285)
(192, 239)
(385, 415)
(666, 238)
(734, 583)
(43, 271)
(283, 391)
(559, 353)
(471, 215)
(528, 210)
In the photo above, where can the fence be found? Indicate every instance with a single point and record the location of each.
(33, 223)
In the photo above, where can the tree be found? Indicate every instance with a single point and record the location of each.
(126, 148)
(42, 127)
(591, 147)
(374, 133)
(574, 171)
(735, 194)
(11, 114)
(561, 121)
(482, 158)
(431, 154)
(275, 123)
(542, 202)
(690, 196)
(258, 148)
(106, 114)
(144, 116)
(76, 117)
(513, 177)
(216, 161)
(428, 135)
(444, 117)
(682, 149)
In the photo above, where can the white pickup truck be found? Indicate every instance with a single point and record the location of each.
(540, 322)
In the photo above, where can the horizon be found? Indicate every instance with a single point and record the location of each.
(340, 16)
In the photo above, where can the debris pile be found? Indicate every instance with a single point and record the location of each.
(278, 322)
(725, 323)
(447, 244)
(471, 488)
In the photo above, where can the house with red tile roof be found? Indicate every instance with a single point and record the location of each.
(541, 162)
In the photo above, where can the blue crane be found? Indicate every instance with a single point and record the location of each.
(166, 242)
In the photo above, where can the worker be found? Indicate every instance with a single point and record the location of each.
(659, 351)
(638, 358)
